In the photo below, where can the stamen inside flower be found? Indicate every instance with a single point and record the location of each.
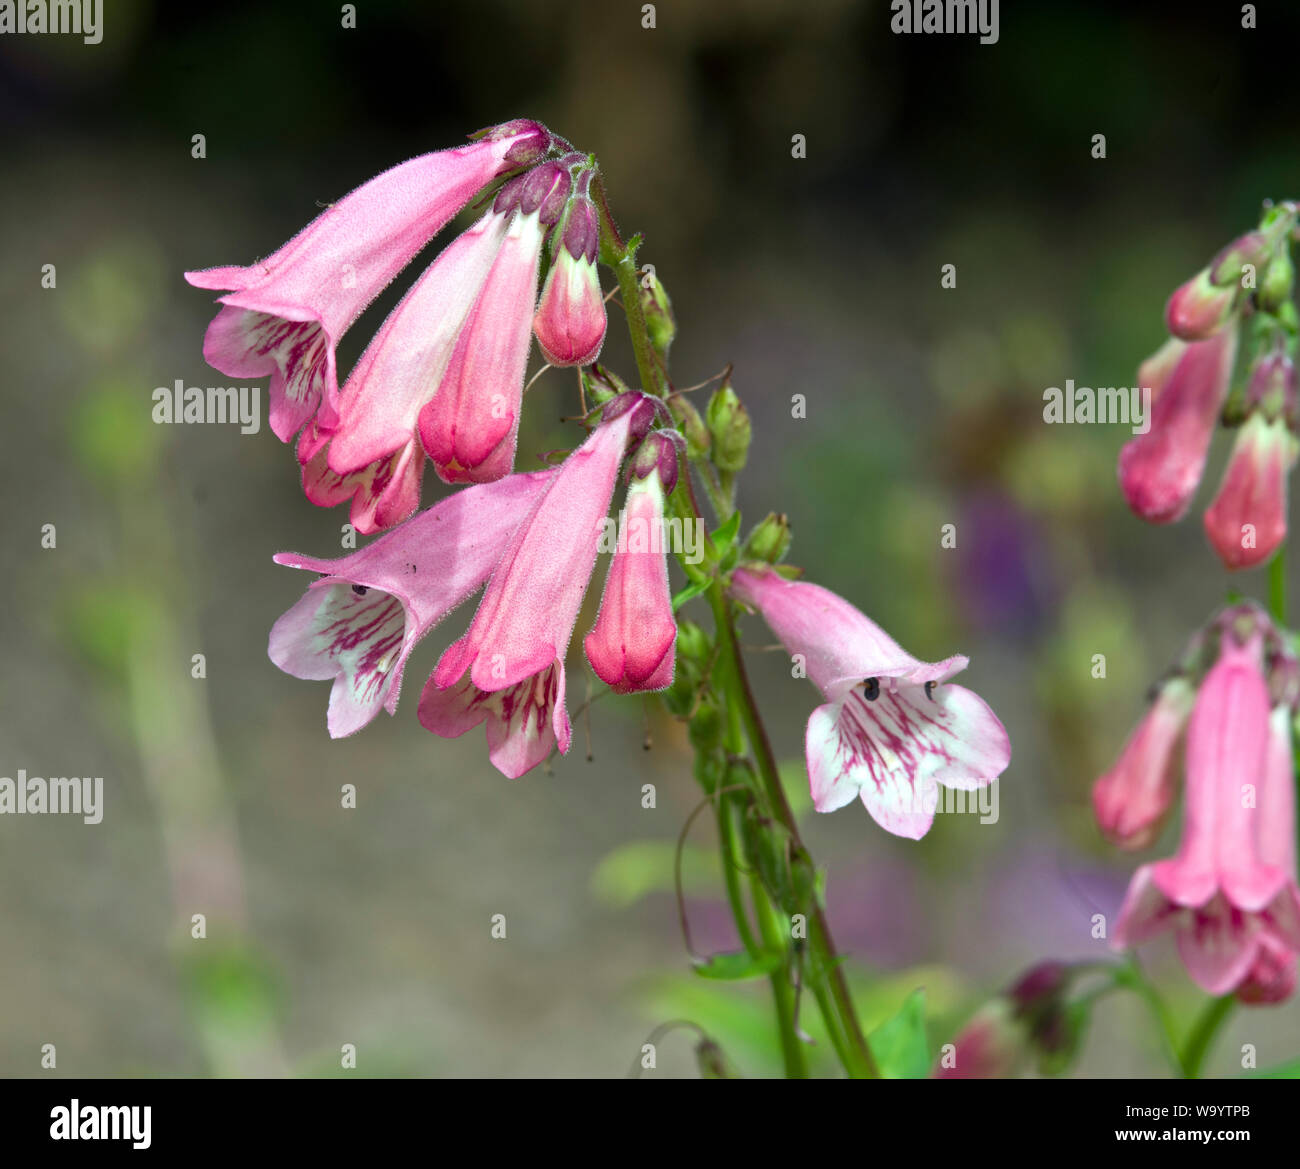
(871, 689)
(929, 690)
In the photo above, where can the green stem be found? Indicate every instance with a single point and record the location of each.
(1131, 976)
(731, 874)
(1277, 586)
(1203, 1032)
(620, 255)
(825, 961)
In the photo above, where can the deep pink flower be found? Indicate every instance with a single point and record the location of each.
(1246, 523)
(382, 494)
(508, 669)
(992, 1046)
(632, 646)
(570, 321)
(1160, 470)
(284, 316)
(1133, 798)
(1218, 893)
(889, 732)
(359, 622)
(1199, 308)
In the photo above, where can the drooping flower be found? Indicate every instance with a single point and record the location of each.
(1132, 800)
(1272, 977)
(1159, 471)
(284, 316)
(631, 647)
(1246, 523)
(359, 622)
(570, 321)
(508, 669)
(891, 731)
(1218, 893)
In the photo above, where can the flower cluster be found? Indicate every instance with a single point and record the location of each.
(1223, 721)
(443, 378)
(1241, 300)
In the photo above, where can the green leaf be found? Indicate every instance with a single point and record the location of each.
(725, 536)
(899, 1043)
(694, 589)
(734, 967)
(1286, 1071)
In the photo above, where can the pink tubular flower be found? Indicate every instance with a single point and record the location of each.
(1218, 893)
(382, 494)
(359, 622)
(1272, 978)
(570, 321)
(508, 669)
(1199, 308)
(631, 647)
(285, 315)
(1132, 800)
(1246, 523)
(888, 733)
(1160, 470)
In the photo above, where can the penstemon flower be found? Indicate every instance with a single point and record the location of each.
(631, 646)
(1219, 894)
(1241, 297)
(891, 730)
(284, 316)
(508, 669)
(360, 621)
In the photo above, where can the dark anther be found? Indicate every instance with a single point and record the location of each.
(871, 689)
(929, 691)
(360, 590)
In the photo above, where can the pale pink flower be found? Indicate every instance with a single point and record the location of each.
(359, 622)
(284, 316)
(891, 730)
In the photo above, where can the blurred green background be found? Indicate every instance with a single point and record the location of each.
(818, 276)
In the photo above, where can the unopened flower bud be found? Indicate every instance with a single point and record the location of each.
(534, 140)
(643, 408)
(1272, 387)
(1200, 308)
(658, 453)
(770, 539)
(658, 309)
(1228, 267)
(698, 439)
(570, 320)
(602, 384)
(712, 1063)
(730, 429)
(1279, 278)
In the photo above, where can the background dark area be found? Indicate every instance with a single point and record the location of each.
(817, 276)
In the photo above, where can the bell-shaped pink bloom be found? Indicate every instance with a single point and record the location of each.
(570, 321)
(382, 494)
(1246, 523)
(1159, 471)
(1133, 798)
(631, 647)
(889, 732)
(470, 426)
(284, 316)
(508, 669)
(1218, 893)
(359, 622)
(1272, 978)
